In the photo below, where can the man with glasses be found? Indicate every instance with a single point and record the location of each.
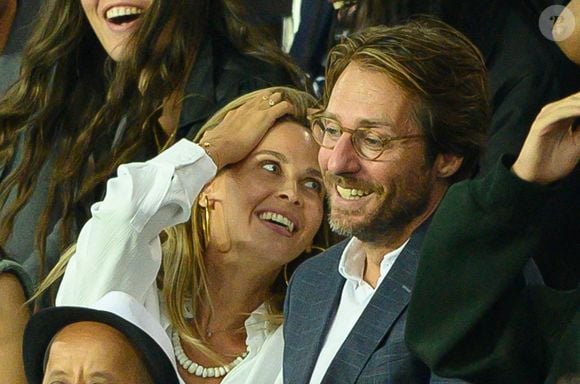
(404, 116)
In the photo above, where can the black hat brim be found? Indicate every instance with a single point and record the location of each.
(44, 325)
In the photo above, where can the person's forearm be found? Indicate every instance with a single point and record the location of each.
(118, 249)
(469, 278)
(13, 317)
(566, 31)
(7, 15)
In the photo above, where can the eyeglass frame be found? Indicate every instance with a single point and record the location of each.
(384, 141)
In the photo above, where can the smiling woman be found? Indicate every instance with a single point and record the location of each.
(254, 192)
(114, 22)
(105, 82)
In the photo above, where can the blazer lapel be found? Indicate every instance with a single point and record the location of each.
(318, 298)
(386, 306)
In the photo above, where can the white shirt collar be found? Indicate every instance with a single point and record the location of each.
(257, 326)
(352, 261)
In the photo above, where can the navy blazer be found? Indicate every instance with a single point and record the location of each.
(375, 350)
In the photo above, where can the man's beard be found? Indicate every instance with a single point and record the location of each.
(401, 204)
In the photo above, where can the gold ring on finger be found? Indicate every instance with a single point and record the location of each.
(271, 102)
(265, 98)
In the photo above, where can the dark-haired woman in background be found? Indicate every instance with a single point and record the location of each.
(103, 84)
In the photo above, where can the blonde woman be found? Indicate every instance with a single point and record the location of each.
(254, 191)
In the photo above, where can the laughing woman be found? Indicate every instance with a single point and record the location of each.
(254, 191)
(104, 83)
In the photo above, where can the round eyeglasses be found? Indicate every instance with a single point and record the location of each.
(366, 143)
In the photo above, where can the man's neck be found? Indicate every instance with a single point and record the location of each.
(376, 251)
(7, 14)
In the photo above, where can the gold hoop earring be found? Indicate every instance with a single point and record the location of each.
(205, 225)
(285, 274)
(310, 248)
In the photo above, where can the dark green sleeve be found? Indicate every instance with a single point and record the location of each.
(468, 315)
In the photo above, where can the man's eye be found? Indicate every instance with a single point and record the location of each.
(271, 167)
(331, 131)
(372, 141)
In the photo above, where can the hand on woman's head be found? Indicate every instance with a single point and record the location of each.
(244, 127)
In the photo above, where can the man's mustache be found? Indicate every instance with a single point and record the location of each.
(351, 182)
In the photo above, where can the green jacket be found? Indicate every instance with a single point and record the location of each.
(471, 316)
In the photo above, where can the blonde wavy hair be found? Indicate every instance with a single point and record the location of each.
(183, 276)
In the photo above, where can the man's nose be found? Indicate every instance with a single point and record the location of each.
(343, 157)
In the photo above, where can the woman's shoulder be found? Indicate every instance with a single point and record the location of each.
(12, 274)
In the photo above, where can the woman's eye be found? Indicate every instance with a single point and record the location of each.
(314, 185)
(271, 167)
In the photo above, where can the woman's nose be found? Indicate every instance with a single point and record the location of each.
(290, 191)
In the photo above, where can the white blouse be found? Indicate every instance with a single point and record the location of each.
(119, 248)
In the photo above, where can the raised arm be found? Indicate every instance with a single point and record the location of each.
(552, 148)
(118, 249)
(470, 314)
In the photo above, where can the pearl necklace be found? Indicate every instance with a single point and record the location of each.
(198, 369)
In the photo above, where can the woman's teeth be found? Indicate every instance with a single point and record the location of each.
(123, 14)
(278, 219)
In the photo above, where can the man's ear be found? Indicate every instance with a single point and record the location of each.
(447, 164)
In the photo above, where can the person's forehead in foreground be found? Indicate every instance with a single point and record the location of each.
(93, 353)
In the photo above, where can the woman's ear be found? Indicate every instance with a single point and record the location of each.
(447, 164)
(205, 196)
(312, 111)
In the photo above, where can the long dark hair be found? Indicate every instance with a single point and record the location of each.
(71, 98)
